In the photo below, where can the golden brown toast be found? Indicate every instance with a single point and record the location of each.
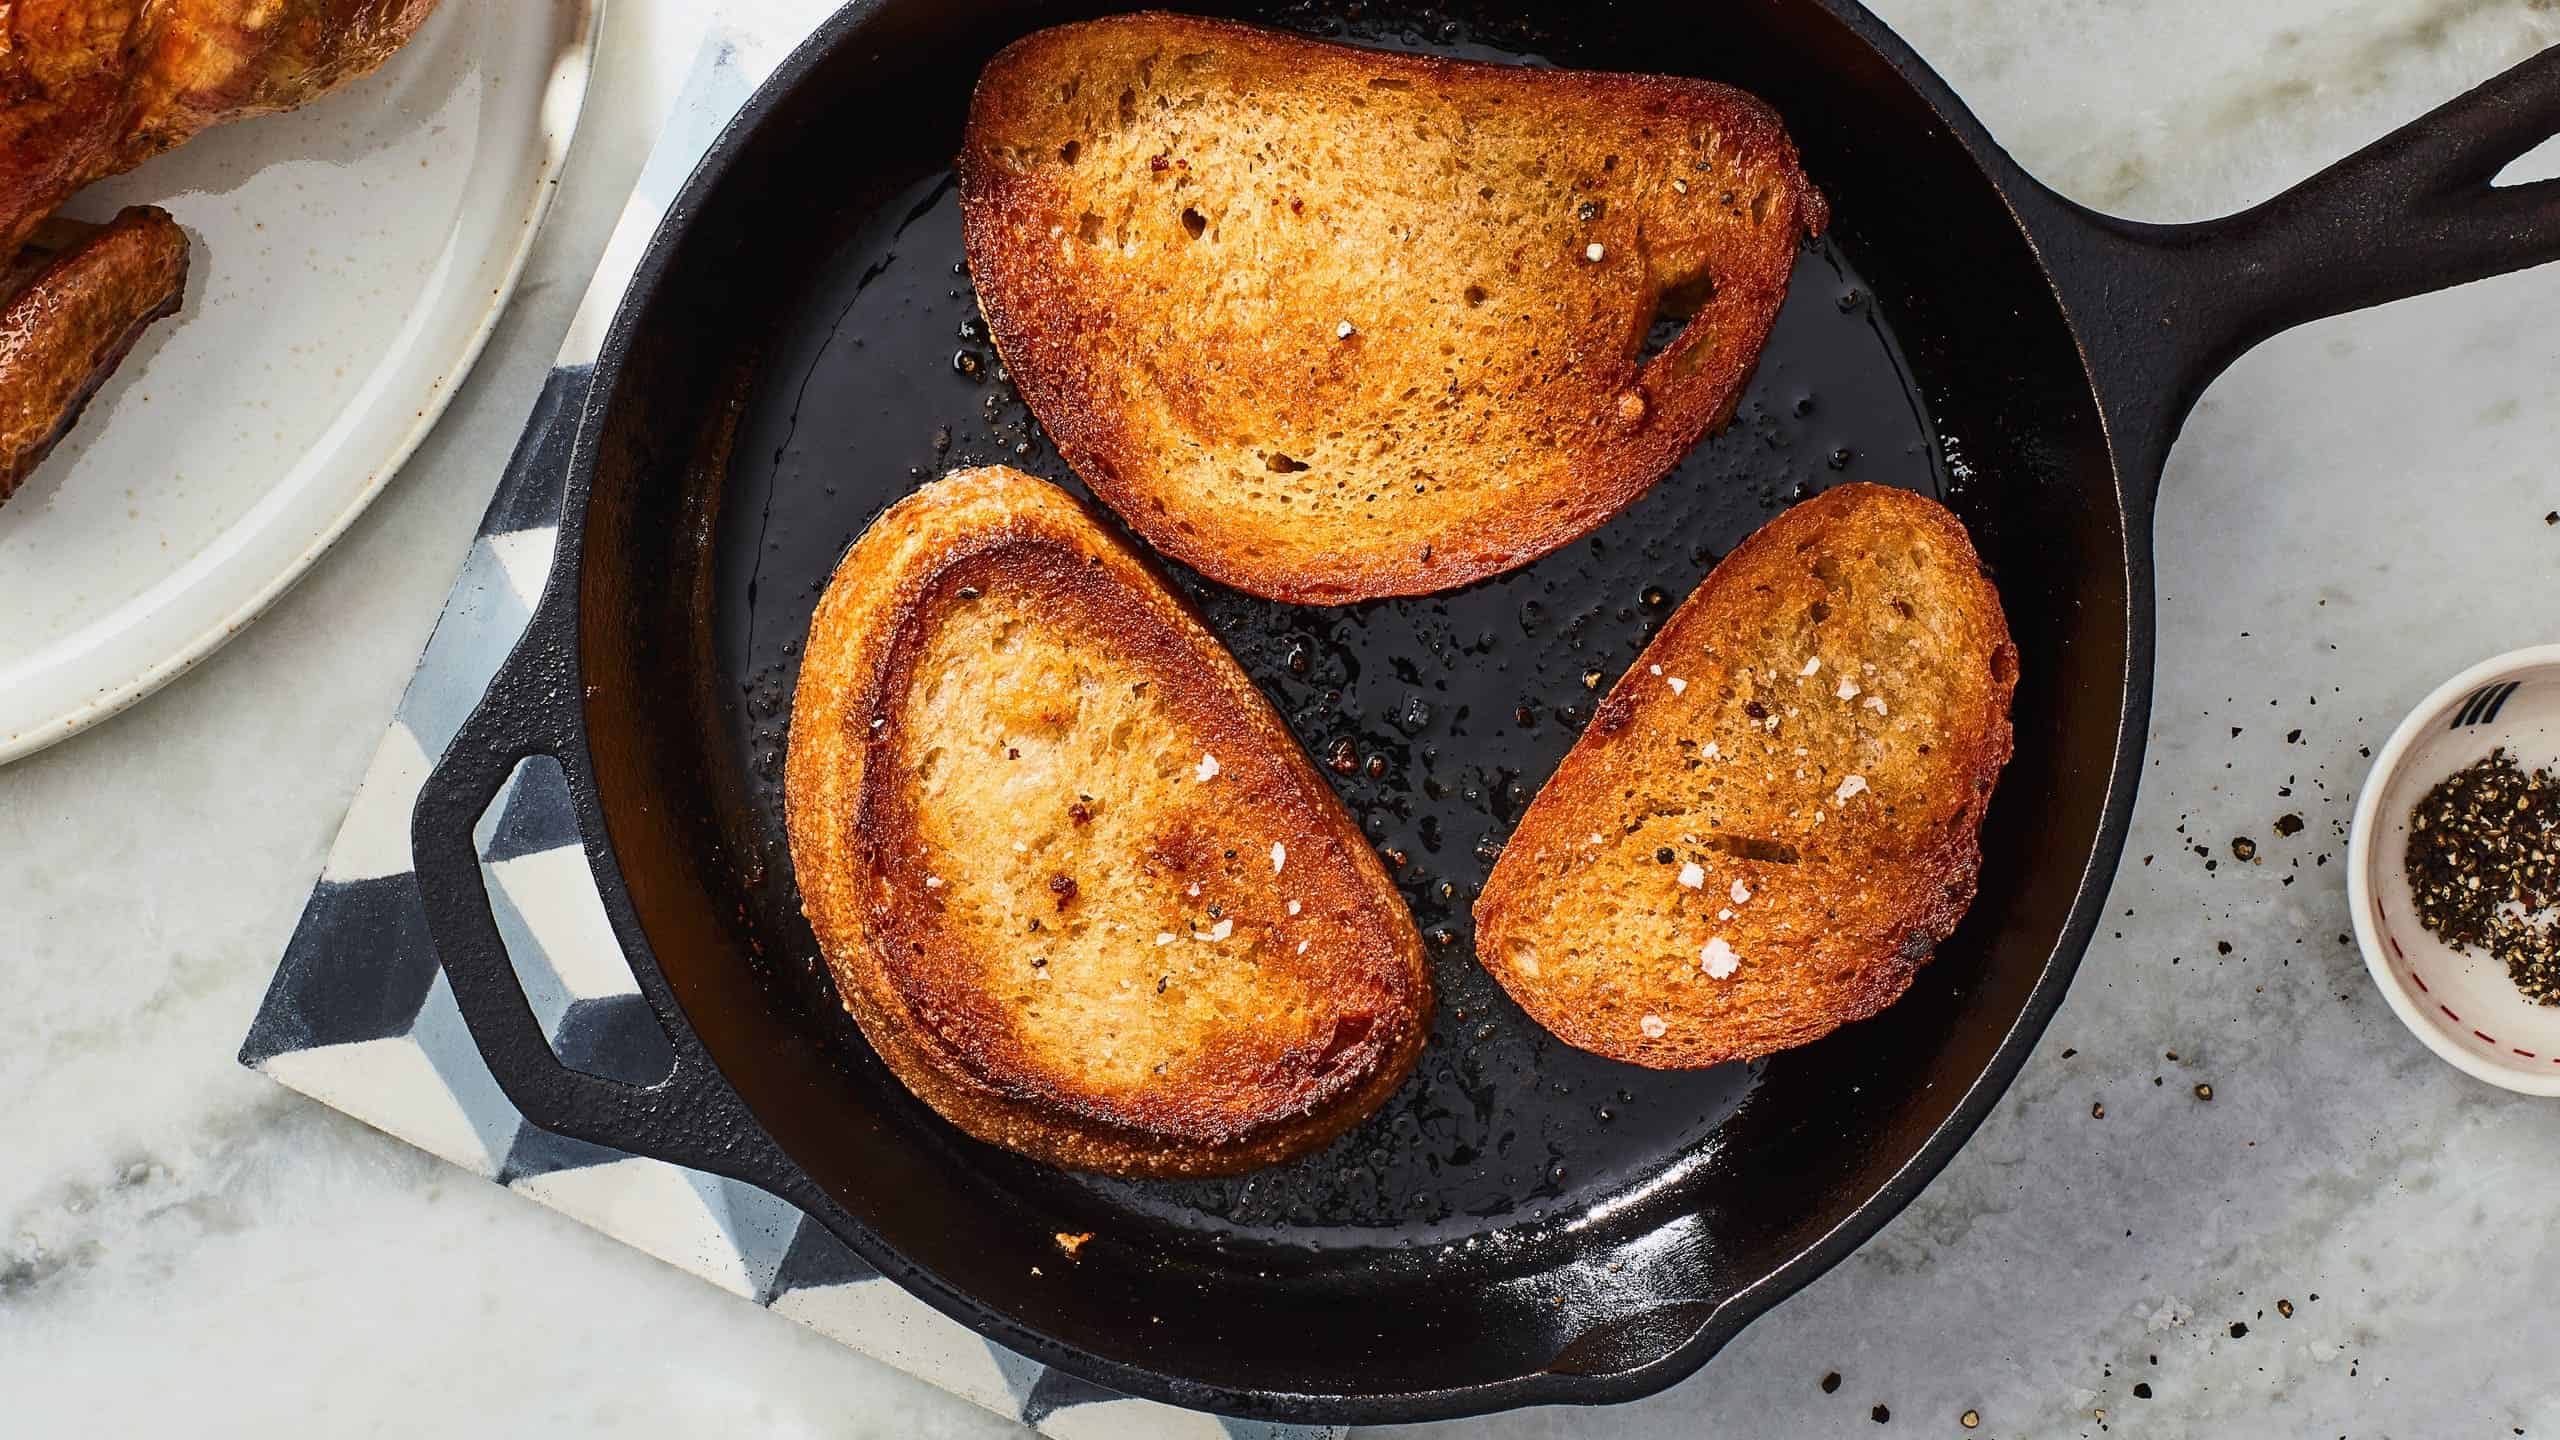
(73, 302)
(1327, 323)
(1776, 814)
(1076, 881)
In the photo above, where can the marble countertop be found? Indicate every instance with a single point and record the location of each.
(2356, 511)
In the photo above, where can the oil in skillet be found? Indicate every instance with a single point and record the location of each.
(1435, 718)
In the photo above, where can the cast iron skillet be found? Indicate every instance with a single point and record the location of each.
(1523, 1223)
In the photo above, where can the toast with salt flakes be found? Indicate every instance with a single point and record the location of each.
(1327, 323)
(1776, 814)
(1073, 877)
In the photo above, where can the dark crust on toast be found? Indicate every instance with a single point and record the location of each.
(1039, 320)
(73, 316)
(858, 855)
(1892, 902)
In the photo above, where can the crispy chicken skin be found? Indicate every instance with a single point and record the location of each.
(71, 305)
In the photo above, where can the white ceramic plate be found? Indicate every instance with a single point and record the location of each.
(350, 260)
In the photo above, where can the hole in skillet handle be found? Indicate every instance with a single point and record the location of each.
(551, 918)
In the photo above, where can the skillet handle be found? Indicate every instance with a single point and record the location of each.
(691, 1117)
(2163, 309)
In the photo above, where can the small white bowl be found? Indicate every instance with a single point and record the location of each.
(2463, 1006)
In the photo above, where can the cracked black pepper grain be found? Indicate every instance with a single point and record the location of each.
(1831, 1382)
(2484, 865)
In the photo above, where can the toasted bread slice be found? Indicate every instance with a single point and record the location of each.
(1327, 323)
(73, 301)
(1776, 814)
(1074, 878)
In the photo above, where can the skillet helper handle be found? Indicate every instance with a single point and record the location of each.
(690, 1117)
(2163, 309)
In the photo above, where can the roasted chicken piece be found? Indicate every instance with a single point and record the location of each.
(77, 297)
(91, 88)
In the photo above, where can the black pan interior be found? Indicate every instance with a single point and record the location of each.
(813, 352)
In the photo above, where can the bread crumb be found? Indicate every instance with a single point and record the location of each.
(1073, 1243)
(1848, 688)
(1718, 959)
(1876, 703)
(1692, 876)
(1652, 1025)
(1344, 331)
(1680, 187)
(1219, 931)
(1208, 769)
(1812, 666)
(1741, 893)
(1848, 788)
(1279, 856)
(1594, 252)
(1678, 685)
(1712, 750)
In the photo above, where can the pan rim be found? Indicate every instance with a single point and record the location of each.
(1731, 1314)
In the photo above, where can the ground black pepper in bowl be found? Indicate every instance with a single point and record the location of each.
(2484, 868)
